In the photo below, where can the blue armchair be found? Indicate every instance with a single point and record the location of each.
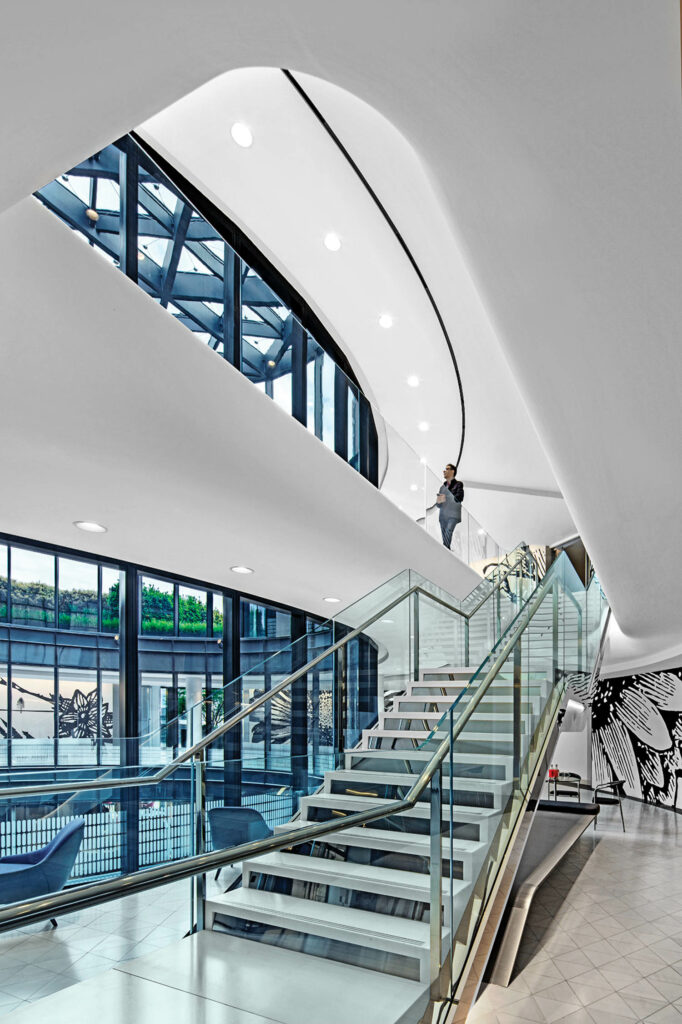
(232, 826)
(24, 876)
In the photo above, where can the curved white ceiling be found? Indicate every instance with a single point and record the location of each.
(552, 132)
(292, 187)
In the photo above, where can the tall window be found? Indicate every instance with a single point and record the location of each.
(179, 257)
(59, 659)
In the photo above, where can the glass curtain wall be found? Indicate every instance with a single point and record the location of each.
(136, 217)
(59, 659)
(62, 669)
(180, 656)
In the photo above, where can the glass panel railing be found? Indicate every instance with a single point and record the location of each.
(402, 888)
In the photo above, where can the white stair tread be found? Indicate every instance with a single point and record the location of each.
(383, 839)
(359, 927)
(350, 875)
(473, 760)
(361, 803)
(422, 735)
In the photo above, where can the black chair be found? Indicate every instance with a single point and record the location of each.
(232, 826)
(610, 793)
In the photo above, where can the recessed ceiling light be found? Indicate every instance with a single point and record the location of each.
(424, 461)
(481, 533)
(271, 362)
(241, 134)
(414, 487)
(389, 622)
(82, 524)
(241, 568)
(413, 381)
(332, 600)
(332, 241)
(386, 320)
(423, 426)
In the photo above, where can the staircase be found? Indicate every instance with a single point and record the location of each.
(362, 896)
(375, 921)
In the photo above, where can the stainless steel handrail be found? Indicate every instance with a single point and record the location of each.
(137, 781)
(29, 911)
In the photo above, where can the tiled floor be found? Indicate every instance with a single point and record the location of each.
(603, 943)
(39, 960)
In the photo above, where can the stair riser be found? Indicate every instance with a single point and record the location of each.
(483, 793)
(466, 864)
(464, 827)
(320, 929)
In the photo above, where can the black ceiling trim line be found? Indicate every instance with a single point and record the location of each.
(251, 254)
(391, 223)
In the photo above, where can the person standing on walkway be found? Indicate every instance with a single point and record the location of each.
(449, 501)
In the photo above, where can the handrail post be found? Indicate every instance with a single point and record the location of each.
(436, 877)
(517, 712)
(341, 663)
(415, 636)
(580, 640)
(555, 633)
(466, 641)
(199, 881)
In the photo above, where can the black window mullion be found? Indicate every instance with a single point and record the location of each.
(340, 413)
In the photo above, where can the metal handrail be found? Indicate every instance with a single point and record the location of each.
(137, 781)
(30, 911)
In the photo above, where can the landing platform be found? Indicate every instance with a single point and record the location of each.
(218, 979)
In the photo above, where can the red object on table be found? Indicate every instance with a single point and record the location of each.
(553, 773)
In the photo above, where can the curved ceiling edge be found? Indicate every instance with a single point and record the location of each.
(396, 232)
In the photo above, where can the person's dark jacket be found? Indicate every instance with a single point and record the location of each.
(456, 488)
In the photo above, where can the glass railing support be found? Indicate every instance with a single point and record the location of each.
(580, 640)
(436, 886)
(555, 632)
(517, 712)
(415, 636)
(341, 697)
(199, 881)
(466, 642)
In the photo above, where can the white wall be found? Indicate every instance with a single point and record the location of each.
(114, 412)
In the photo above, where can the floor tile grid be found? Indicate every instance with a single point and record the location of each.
(603, 943)
(38, 960)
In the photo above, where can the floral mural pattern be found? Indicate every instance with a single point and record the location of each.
(77, 716)
(637, 733)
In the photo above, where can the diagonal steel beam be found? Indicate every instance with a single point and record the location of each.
(173, 252)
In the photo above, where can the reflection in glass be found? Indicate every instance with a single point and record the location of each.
(77, 595)
(3, 583)
(33, 714)
(4, 715)
(111, 585)
(157, 611)
(32, 587)
(78, 717)
(217, 614)
(110, 752)
(156, 700)
(192, 611)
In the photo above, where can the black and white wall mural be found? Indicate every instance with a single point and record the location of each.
(637, 733)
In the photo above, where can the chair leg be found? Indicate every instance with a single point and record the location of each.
(620, 805)
(53, 922)
(216, 875)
